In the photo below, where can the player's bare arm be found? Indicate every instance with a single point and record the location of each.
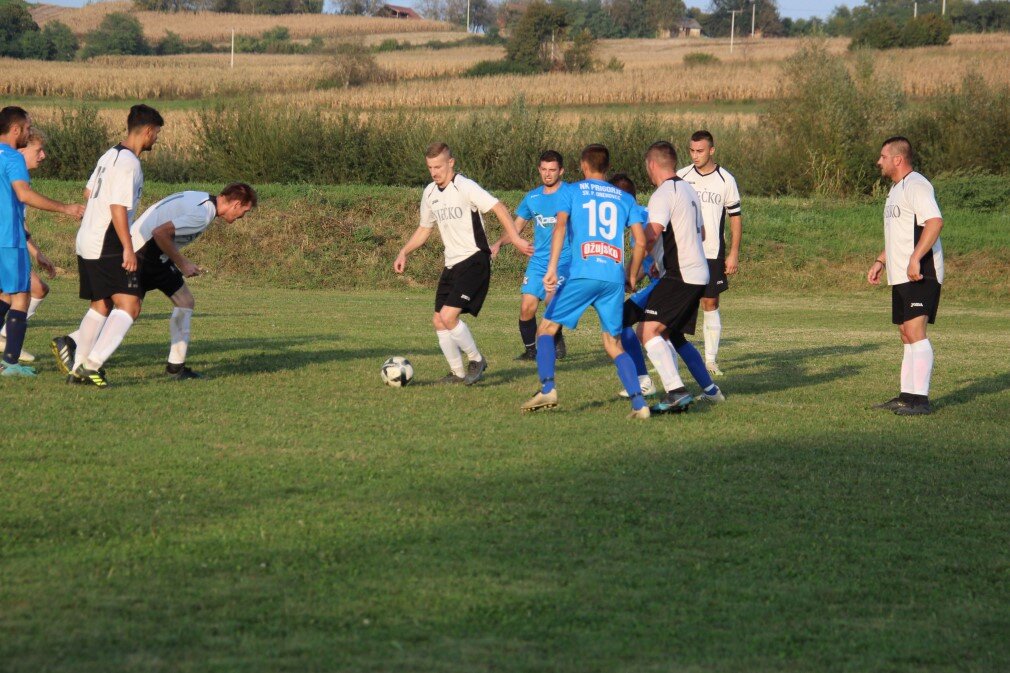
(40, 258)
(736, 231)
(121, 223)
(521, 244)
(876, 269)
(557, 244)
(637, 255)
(30, 197)
(652, 234)
(164, 235)
(930, 232)
(415, 241)
(520, 226)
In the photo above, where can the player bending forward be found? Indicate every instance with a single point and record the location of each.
(456, 204)
(599, 214)
(158, 236)
(540, 206)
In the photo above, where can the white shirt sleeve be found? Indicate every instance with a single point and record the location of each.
(476, 194)
(732, 196)
(119, 180)
(659, 209)
(91, 181)
(921, 196)
(427, 217)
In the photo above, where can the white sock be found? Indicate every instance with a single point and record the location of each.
(451, 352)
(644, 381)
(33, 306)
(922, 366)
(906, 371)
(673, 354)
(713, 332)
(115, 329)
(178, 326)
(87, 334)
(75, 335)
(659, 355)
(461, 335)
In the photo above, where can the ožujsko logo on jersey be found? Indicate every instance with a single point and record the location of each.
(601, 249)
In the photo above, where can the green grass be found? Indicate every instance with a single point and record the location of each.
(292, 514)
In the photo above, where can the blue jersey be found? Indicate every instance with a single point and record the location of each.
(598, 215)
(541, 210)
(12, 213)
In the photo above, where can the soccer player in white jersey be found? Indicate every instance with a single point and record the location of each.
(672, 308)
(106, 260)
(158, 237)
(719, 199)
(913, 258)
(456, 204)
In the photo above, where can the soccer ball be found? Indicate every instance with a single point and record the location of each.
(397, 372)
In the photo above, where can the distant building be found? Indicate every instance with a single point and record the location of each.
(397, 12)
(688, 28)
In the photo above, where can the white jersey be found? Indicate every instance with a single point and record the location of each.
(719, 198)
(116, 181)
(457, 210)
(190, 212)
(675, 207)
(909, 204)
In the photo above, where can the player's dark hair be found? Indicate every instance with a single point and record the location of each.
(597, 157)
(11, 115)
(552, 157)
(662, 152)
(624, 183)
(698, 136)
(143, 115)
(241, 192)
(902, 146)
(436, 150)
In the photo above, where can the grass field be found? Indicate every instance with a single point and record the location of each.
(290, 513)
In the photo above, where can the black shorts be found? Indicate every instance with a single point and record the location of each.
(157, 272)
(464, 286)
(674, 303)
(911, 300)
(717, 280)
(103, 277)
(633, 313)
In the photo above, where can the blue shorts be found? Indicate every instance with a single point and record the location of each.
(641, 298)
(533, 279)
(15, 270)
(574, 297)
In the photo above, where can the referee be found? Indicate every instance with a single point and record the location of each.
(913, 259)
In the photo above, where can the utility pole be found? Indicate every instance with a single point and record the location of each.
(232, 47)
(753, 13)
(732, 26)
(468, 16)
(943, 8)
(915, 10)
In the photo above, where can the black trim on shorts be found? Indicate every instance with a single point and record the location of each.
(633, 313)
(716, 273)
(157, 272)
(912, 300)
(465, 284)
(104, 277)
(674, 304)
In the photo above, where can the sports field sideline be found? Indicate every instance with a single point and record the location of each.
(292, 513)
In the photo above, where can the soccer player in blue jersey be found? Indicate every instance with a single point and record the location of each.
(599, 214)
(15, 264)
(540, 206)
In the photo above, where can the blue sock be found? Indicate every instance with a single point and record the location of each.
(545, 361)
(695, 364)
(17, 323)
(626, 372)
(633, 347)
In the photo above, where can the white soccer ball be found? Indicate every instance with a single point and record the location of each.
(397, 372)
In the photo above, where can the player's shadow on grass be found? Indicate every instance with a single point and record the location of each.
(968, 393)
(519, 371)
(780, 370)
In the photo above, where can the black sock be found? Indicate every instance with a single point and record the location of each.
(4, 307)
(906, 397)
(528, 332)
(173, 368)
(17, 323)
(560, 335)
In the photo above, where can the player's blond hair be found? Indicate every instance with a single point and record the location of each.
(436, 150)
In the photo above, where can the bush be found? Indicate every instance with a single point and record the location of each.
(882, 33)
(74, 141)
(34, 45)
(973, 190)
(63, 43)
(170, 44)
(354, 65)
(696, 58)
(492, 68)
(118, 34)
(580, 55)
(15, 23)
(927, 30)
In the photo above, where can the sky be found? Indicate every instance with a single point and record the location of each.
(794, 9)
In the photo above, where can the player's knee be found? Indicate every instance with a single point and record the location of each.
(449, 320)
(436, 320)
(547, 328)
(710, 304)
(39, 288)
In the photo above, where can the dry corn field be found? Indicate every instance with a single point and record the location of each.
(654, 73)
(217, 27)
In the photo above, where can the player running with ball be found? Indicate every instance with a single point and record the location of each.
(456, 204)
(599, 214)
